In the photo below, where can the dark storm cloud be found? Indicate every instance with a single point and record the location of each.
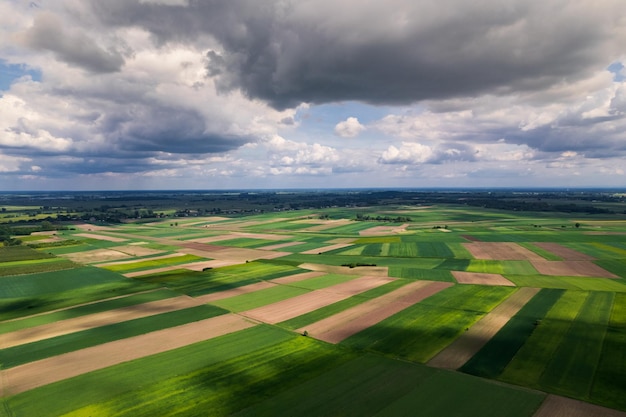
(394, 52)
(75, 48)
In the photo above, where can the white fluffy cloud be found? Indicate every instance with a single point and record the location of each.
(349, 128)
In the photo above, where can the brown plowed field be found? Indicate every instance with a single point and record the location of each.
(46, 371)
(470, 342)
(501, 251)
(336, 328)
(571, 269)
(233, 292)
(561, 251)
(381, 271)
(463, 277)
(90, 321)
(556, 406)
(305, 303)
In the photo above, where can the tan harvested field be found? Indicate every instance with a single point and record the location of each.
(470, 342)
(501, 251)
(556, 406)
(94, 227)
(381, 271)
(233, 292)
(305, 303)
(326, 248)
(297, 277)
(336, 328)
(280, 245)
(561, 251)
(95, 256)
(46, 331)
(464, 277)
(383, 230)
(101, 237)
(327, 224)
(46, 371)
(572, 269)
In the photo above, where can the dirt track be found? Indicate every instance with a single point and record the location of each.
(470, 342)
(336, 328)
(46, 371)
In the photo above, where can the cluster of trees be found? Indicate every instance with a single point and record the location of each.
(379, 218)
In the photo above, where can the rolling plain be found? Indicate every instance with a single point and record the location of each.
(460, 311)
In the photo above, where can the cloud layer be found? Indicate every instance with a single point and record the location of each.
(205, 94)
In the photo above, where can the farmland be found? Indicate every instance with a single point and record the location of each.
(459, 310)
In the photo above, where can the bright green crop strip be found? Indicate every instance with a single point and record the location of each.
(323, 281)
(420, 331)
(92, 308)
(260, 298)
(495, 355)
(342, 305)
(530, 361)
(154, 263)
(46, 348)
(610, 380)
(455, 394)
(571, 370)
(10, 264)
(421, 274)
(488, 266)
(130, 384)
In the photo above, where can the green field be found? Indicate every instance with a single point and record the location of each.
(567, 340)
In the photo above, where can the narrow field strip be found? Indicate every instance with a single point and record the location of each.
(35, 374)
(479, 278)
(334, 269)
(470, 342)
(101, 237)
(326, 248)
(76, 324)
(563, 252)
(336, 328)
(289, 279)
(556, 406)
(280, 245)
(84, 309)
(246, 289)
(500, 251)
(132, 261)
(305, 303)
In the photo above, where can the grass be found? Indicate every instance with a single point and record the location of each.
(495, 355)
(92, 308)
(259, 298)
(317, 283)
(207, 378)
(422, 330)
(342, 305)
(421, 274)
(20, 253)
(42, 349)
(154, 263)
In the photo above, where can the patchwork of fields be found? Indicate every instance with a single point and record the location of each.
(291, 315)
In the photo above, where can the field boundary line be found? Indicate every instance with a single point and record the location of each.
(469, 343)
(57, 368)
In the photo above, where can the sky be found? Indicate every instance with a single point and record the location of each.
(213, 94)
